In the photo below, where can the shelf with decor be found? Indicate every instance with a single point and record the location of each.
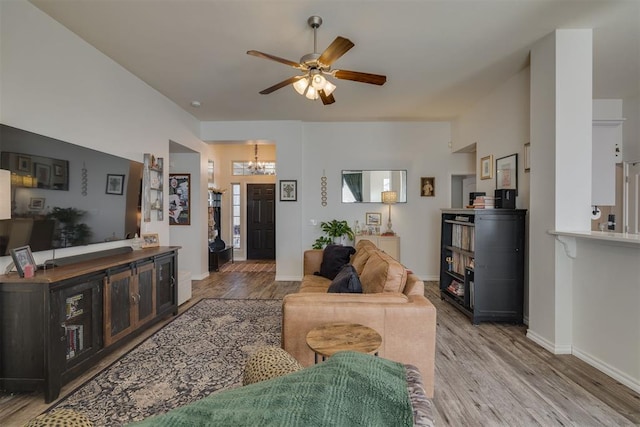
(152, 187)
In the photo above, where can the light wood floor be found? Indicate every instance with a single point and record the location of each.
(489, 374)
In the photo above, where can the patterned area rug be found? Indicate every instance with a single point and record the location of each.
(249, 267)
(202, 351)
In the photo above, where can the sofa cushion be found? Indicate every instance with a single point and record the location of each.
(314, 283)
(382, 273)
(346, 281)
(361, 256)
(333, 258)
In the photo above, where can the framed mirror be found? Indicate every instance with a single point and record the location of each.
(366, 186)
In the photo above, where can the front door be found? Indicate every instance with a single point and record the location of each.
(261, 221)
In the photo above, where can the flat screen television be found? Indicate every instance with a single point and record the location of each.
(66, 195)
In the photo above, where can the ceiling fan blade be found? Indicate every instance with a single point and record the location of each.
(374, 79)
(276, 58)
(336, 49)
(281, 85)
(326, 99)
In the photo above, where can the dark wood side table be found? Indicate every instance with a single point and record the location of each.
(219, 257)
(328, 339)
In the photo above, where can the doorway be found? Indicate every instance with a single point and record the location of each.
(261, 221)
(461, 186)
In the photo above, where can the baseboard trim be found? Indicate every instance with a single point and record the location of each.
(548, 345)
(288, 278)
(632, 383)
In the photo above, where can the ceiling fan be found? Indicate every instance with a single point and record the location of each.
(315, 67)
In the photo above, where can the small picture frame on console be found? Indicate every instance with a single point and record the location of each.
(150, 240)
(22, 257)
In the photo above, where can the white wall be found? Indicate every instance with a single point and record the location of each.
(606, 315)
(306, 150)
(55, 84)
(420, 148)
(499, 126)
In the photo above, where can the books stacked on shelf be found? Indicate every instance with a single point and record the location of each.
(74, 306)
(456, 288)
(75, 340)
(463, 237)
(484, 202)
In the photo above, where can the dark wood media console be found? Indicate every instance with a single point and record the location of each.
(56, 325)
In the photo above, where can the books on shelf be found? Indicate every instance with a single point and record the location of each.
(75, 340)
(456, 288)
(463, 237)
(459, 262)
(74, 306)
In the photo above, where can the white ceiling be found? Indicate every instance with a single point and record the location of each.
(439, 56)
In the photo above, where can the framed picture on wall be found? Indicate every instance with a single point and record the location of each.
(507, 172)
(427, 186)
(288, 190)
(115, 184)
(486, 167)
(179, 199)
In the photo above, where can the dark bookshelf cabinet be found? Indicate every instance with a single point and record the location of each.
(56, 325)
(482, 262)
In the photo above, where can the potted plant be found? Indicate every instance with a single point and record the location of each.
(335, 231)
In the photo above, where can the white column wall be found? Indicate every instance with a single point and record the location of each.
(561, 114)
(191, 257)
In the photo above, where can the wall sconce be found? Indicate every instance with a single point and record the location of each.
(389, 198)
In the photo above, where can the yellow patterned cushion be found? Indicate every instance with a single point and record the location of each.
(60, 418)
(269, 362)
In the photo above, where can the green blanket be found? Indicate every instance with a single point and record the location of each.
(349, 389)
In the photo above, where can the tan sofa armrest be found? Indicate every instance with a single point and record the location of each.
(312, 261)
(407, 325)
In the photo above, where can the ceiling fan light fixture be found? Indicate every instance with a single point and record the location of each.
(329, 87)
(318, 81)
(312, 93)
(301, 86)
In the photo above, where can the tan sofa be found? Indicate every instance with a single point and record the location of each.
(392, 303)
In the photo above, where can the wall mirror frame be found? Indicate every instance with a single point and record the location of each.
(366, 186)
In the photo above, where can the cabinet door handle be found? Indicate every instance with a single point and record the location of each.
(133, 299)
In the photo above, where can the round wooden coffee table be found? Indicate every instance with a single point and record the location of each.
(328, 339)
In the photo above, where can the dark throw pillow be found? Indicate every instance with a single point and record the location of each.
(333, 258)
(346, 281)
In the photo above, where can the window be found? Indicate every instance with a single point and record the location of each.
(235, 206)
(243, 169)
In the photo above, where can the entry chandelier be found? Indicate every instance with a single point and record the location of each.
(256, 167)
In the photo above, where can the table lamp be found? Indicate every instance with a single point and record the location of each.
(389, 198)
